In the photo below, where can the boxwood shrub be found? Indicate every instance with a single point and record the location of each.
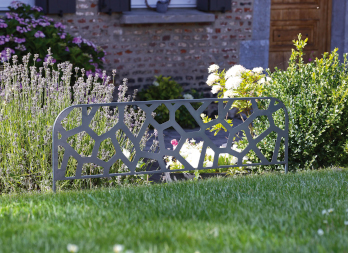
(315, 95)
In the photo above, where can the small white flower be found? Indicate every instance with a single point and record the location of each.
(210, 152)
(236, 70)
(325, 221)
(264, 80)
(215, 89)
(233, 82)
(330, 210)
(346, 223)
(155, 83)
(202, 115)
(126, 153)
(188, 96)
(209, 164)
(234, 160)
(257, 70)
(212, 78)
(213, 68)
(72, 248)
(323, 212)
(118, 248)
(230, 94)
(235, 148)
(320, 232)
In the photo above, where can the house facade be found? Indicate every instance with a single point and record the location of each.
(142, 43)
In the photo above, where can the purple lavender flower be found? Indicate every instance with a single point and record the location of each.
(67, 49)
(89, 72)
(38, 59)
(39, 34)
(52, 60)
(62, 36)
(3, 25)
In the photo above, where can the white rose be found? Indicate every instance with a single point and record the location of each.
(257, 70)
(212, 78)
(233, 82)
(213, 68)
(229, 94)
(215, 89)
(236, 70)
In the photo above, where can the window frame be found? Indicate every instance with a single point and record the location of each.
(140, 4)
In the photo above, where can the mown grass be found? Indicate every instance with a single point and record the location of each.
(269, 213)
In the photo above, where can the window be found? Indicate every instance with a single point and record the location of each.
(173, 3)
(59, 7)
(4, 4)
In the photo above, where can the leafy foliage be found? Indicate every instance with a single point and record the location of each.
(25, 29)
(166, 89)
(315, 95)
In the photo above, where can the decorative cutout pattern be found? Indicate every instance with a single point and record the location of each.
(105, 166)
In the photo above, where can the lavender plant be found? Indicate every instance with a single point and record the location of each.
(30, 100)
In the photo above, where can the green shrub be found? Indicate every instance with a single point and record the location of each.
(25, 29)
(315, 95)
(166, 89)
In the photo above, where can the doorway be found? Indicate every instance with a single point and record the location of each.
(311, 18)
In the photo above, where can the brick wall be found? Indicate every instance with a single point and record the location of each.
(181, 50)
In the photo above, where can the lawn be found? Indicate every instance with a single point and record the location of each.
(268, 213)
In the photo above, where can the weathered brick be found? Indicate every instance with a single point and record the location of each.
(183, 49)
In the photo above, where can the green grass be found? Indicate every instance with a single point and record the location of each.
(269, 213)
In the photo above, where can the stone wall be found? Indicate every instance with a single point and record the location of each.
(339, 26)
(181, 50)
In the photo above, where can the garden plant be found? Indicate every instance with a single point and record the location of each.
(163, 88)
(25, 29)
(316, 96)
(30, 100)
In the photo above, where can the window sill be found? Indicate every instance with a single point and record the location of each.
(146, 16)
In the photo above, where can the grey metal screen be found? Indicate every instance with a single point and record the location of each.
(89, 112)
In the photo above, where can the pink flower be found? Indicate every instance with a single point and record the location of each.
(174, 142)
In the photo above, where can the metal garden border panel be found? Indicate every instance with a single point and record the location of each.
(60, 136)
